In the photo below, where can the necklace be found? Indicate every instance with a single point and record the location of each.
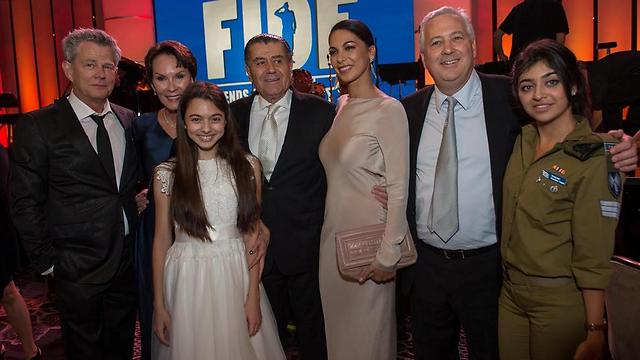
(166, 120)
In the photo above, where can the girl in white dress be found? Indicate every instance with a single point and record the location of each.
(207, 305)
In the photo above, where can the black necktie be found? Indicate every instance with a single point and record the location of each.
(104, 147)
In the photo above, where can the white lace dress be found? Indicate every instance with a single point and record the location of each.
(206, 283)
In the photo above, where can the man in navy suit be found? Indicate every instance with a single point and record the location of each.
(74, 176)
(294, 187)
(457, 281)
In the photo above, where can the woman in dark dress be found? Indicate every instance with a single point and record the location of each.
(10, 298)
(170, 68)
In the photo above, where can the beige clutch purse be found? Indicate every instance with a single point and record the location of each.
(357, 248)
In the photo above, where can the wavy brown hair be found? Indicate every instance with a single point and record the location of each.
(187, 206)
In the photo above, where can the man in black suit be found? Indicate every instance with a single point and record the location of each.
(613, 81)
(529, 21)
(456, 281)
(283, 128)
(74, 176)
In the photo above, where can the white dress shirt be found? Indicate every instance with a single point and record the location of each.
(476, 210)
(259, 109)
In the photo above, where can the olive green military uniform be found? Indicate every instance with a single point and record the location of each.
(560, 213)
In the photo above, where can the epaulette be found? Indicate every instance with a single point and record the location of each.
(589, 146)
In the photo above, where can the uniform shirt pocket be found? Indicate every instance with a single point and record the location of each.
(549, 202)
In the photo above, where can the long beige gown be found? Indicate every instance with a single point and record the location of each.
(367, 146)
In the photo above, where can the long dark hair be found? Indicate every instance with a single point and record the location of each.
(564, 63)
(187, 206)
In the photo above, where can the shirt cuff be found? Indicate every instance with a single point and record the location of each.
(48, 271)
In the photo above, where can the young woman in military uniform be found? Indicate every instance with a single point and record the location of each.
(561, 205)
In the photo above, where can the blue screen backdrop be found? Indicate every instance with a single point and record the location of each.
(216, 31)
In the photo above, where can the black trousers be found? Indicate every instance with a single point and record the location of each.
(298, 296)
(448, 293)
(98, 321)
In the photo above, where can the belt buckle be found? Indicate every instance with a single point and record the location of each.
(449, 254)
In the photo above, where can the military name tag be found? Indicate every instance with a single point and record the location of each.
(561, 180)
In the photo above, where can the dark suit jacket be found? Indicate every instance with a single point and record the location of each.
(293, 200)
(503, 126)
(613, 81)
(8, 239)
(67, 211)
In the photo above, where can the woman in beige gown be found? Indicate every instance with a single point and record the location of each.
(367, 146)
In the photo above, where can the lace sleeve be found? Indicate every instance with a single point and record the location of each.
(255, 163)
(164, 173)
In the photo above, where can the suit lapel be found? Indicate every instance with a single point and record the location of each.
(497, 131)
(242, 117)
(416, 113)
(419, 114)
(70, 125)
(128, 168)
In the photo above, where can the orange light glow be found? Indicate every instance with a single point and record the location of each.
(25, 57)
(614, 24)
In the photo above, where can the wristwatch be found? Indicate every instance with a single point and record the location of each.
(596, 327)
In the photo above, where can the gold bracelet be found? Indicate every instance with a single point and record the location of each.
(596, 327)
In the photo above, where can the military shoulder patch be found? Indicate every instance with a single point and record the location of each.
(583, 150)
(615, 183)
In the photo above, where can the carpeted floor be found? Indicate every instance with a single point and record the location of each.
(46, 328)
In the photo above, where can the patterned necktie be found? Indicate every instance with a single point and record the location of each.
(103, 145)
(443, 219)
(269, 141)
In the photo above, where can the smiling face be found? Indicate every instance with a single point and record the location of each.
(93, 74)
(169, 80)
(542, 95)
(448, 52)
(269, 68)
(204, 125)
(350, 57)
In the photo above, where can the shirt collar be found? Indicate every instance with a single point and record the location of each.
(582, 129)
(464, 96)
(284, 102)
(82, 110)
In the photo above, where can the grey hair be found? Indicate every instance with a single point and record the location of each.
(266, 38)
(444, 11)
(71, 42)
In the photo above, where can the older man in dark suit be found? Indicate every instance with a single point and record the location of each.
(283, 128)
(74, 176)
(456, 280)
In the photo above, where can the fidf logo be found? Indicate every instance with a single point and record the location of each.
(305, 24)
